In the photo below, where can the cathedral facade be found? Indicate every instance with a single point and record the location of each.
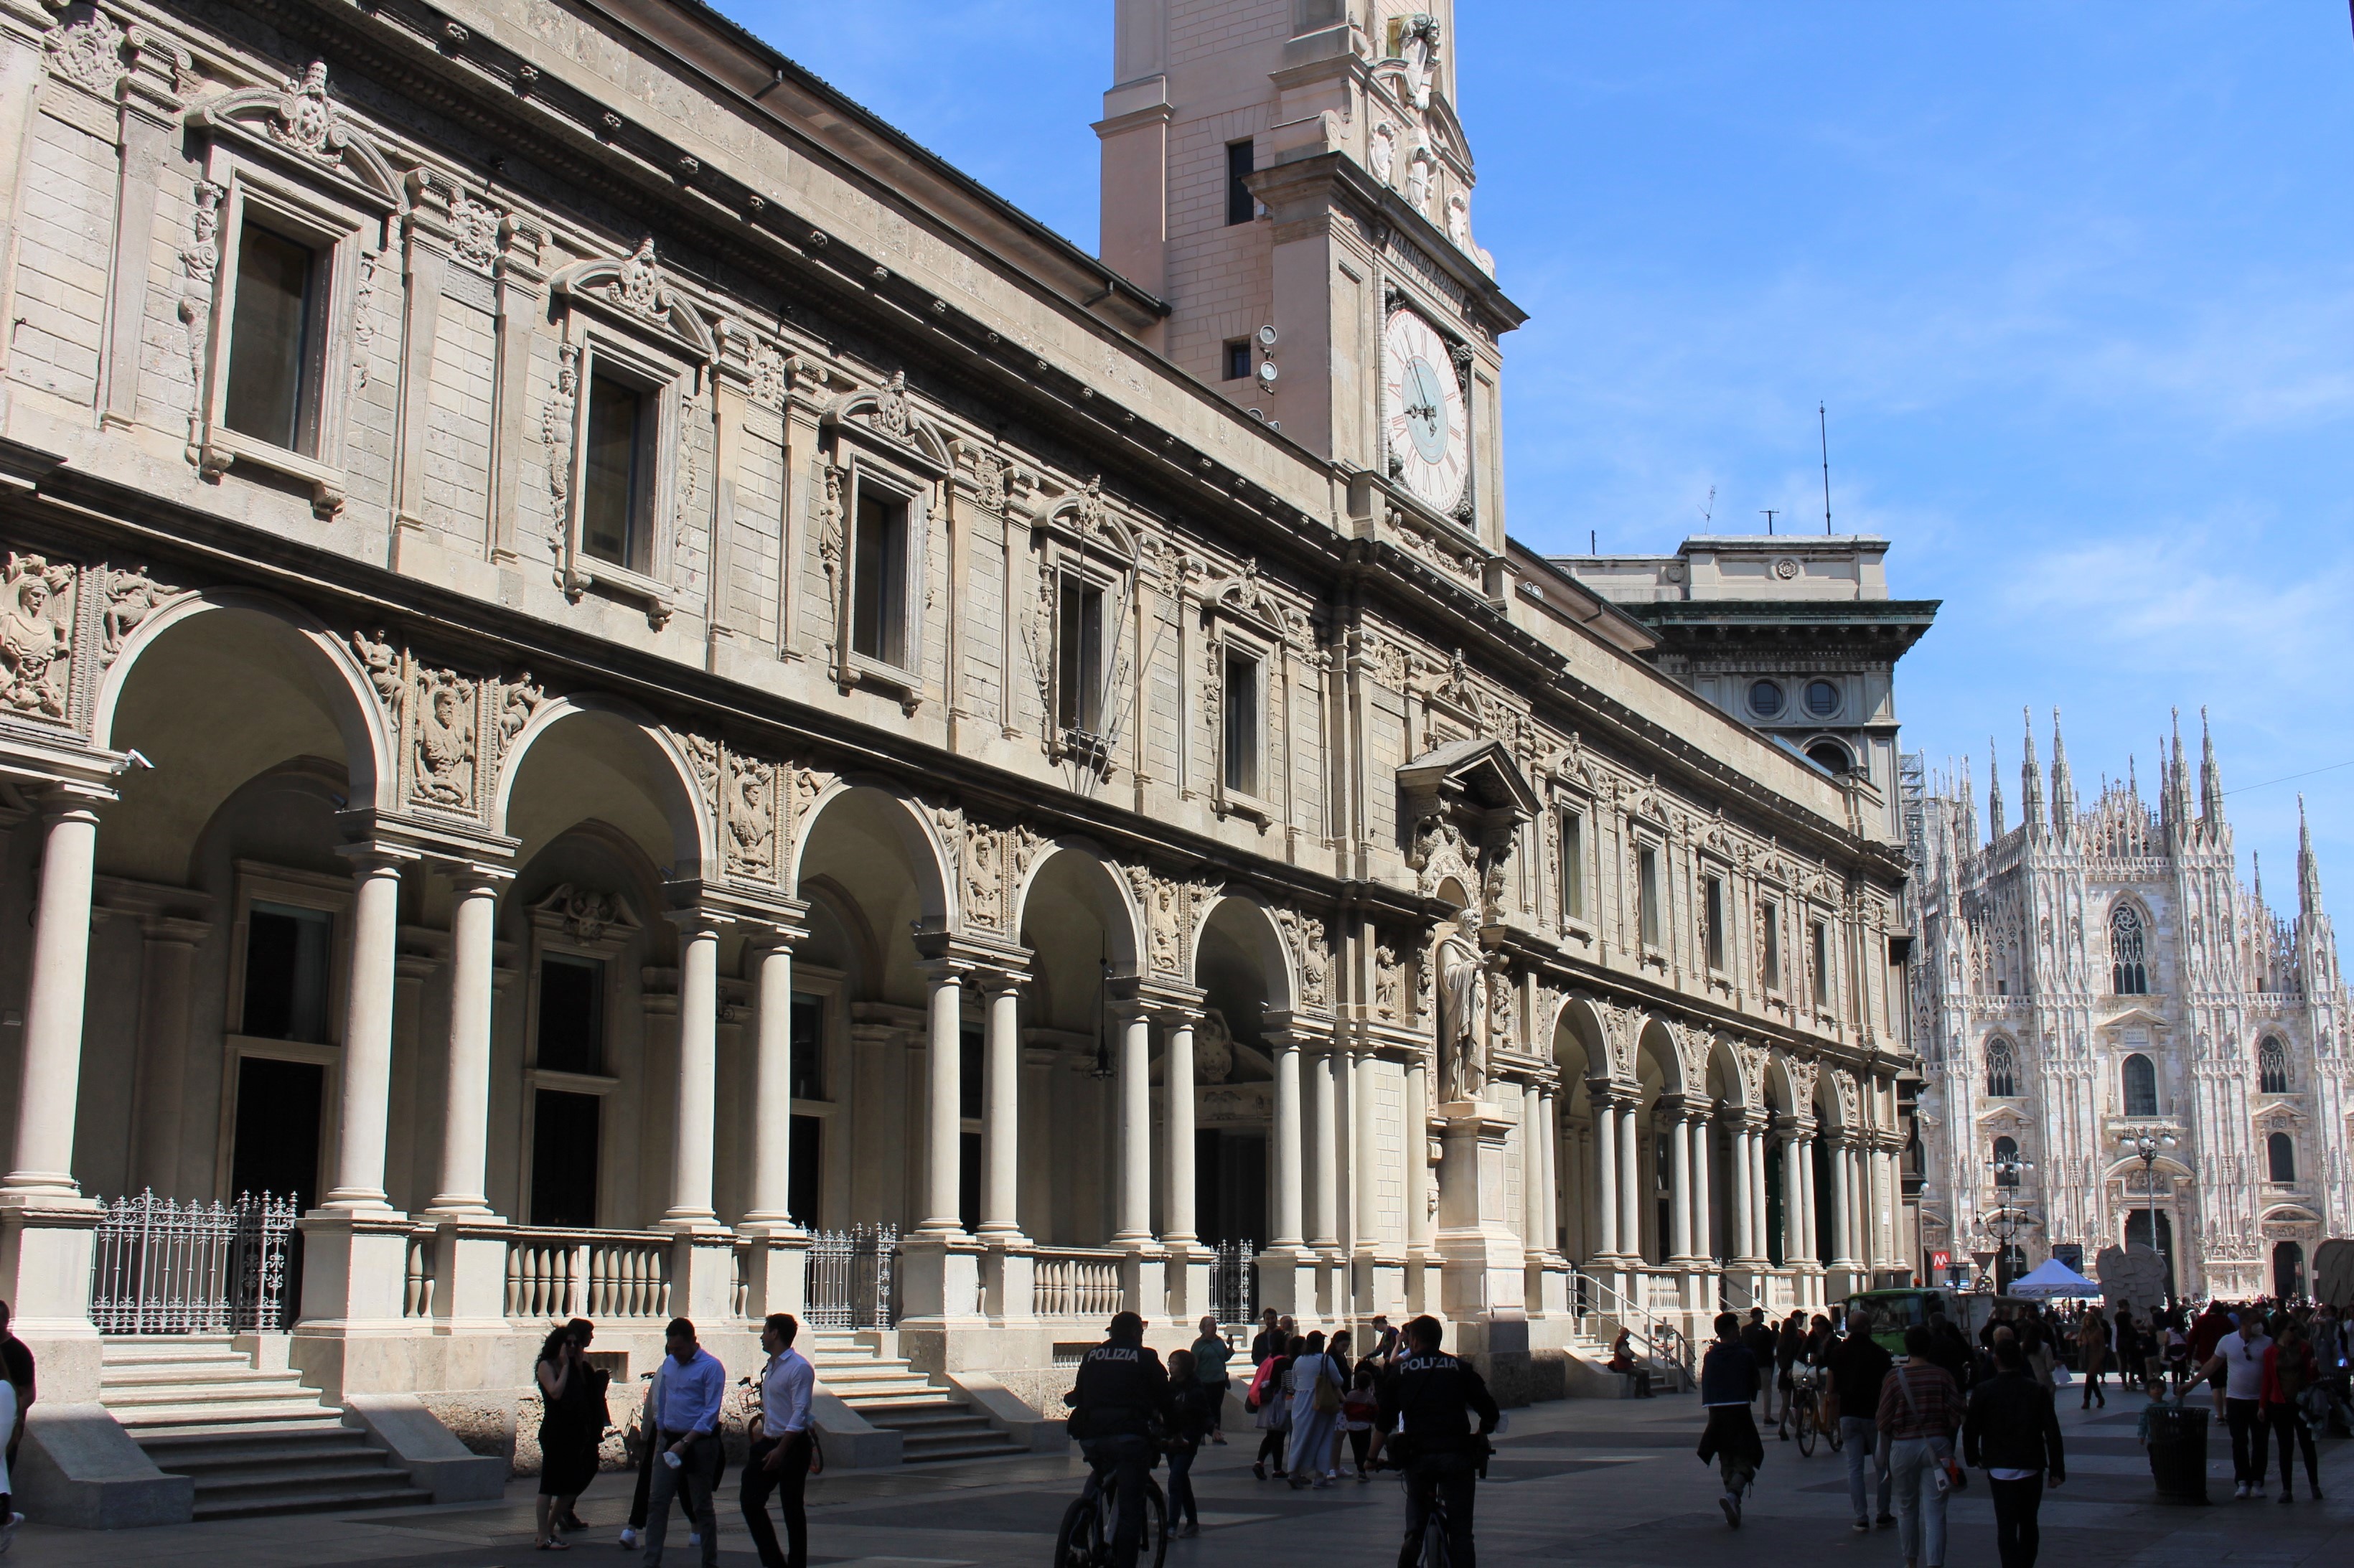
(636, 694)
(2122, 1042)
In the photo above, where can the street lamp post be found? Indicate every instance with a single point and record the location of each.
(2145, 1147)
(2007, 1219)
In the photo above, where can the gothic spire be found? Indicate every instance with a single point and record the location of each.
(2308, 869)
(1994, 790)
(2210, 778)
(2177, 782)
(1969, 808)
(2030, 782)
(2063, 784)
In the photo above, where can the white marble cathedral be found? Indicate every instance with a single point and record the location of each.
(609, 674)
(2100, 972)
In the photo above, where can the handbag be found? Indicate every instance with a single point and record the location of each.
(1325, 1398)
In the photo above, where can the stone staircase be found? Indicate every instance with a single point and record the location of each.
(254, 1442)
(933, 1423)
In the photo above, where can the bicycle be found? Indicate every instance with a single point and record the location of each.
(1085, 1538)
(1806, 1404)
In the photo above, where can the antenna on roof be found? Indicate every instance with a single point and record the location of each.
(1769, 512)
(1708, 511)
(1823, 426)
(1592, 547)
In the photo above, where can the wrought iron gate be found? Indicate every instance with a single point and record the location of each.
(850, 1281)
(1234, 1283)
(164, 1266)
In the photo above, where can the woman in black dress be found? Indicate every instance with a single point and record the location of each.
(570, 1429)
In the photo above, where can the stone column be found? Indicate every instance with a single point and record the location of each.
(1531, 1169)
(1189, 1261)
(367, 1032)
(1000, 1112)
(466, 1098)
(1549, 1141)
(1630, 1195)
(166, 966)
(1757, 1194)
(1323, 1160)
(1371, 1290)
(1794, 1199)
(1744, 1237)
(1680, 1208)
(698, 1072)
(1287, 1222)
(1812, 1241)
(1133, 1128)
(943, 1121)
(1415, 1151)
(1703, 1221)
(1606, 1177)
(772, 1086)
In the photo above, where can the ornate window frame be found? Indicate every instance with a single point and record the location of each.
(291, 156)
(332, 895)
(558, 928)
(1244, 618)
(880, 444)
(2272, 1058)
(620, 316)
(1574, 805)
(1080, 538)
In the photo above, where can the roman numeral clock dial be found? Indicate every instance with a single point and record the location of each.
(1428, 433)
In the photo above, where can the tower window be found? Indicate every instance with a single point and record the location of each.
(1079, 654)
(1822, 698)
(2280, 1157)
(1241, 208)
(1241, 705)
(2140, 1083)
(274, 333)
(1647, 888)
(2002, 1071)
(1572, 864)
(617, 478)
(2128, 965)
(1238, 360)
(2272, 1066)
(878, 579)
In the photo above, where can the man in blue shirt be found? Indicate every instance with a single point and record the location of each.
(686, 1427)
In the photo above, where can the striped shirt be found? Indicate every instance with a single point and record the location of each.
(1936, 1410)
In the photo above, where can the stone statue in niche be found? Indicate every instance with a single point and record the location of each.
(35, 647)
(1462, 1030)
(1213, 1048)
(445, 745)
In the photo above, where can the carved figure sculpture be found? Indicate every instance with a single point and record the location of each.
(34, 647)
(1462, 1033)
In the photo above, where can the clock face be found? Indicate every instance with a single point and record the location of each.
(1428, 433)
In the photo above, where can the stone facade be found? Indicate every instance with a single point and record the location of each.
(2096, 974)
(608, 664)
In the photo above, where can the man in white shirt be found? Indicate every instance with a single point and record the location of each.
(781, 1454)
(2240, 1358)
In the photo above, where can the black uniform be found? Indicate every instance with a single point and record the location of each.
(1123, 1389)
(1426, 1401)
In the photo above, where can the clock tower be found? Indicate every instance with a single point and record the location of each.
(1292, 177)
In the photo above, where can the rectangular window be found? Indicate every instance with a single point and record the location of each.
(616, 474)
(805, 1174)
(1820, 939)
(808, 1072)
(288, 954)
(274, 340)
(565, 1130)
(1079, 655)
(571, 1014)
(1240, 205)
(1241, 698)
(878, 579)
(1647, 881)
(1770, 929)
(1714, 915)
(1238, 360)
(1572, 864)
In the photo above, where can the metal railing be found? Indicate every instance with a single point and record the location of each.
(1234, 1283)
(603, 1275)
(850, 1283)
(163, 1266)
(1661, 1342)
(1075, 1282)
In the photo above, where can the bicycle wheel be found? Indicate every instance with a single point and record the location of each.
(1807, 1428)
(1156, 1523)
(1434, 1541)
(1072, 1547)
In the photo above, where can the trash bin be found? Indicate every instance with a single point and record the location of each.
(2178, 1453)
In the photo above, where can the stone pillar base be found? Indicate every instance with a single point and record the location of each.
(1287, 1281)
(353, 1336)
(1189, 1265)
(46, 1246)
(775, 1270)
(939, 1281)
(1008, 1279)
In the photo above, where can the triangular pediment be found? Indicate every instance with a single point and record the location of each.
(1479, 771)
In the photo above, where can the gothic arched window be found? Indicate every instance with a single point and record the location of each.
(2128, 953)
(2002, 1071)
(2140, 1086)
(2280, 1157)
(2006, 1151)
(2272, 1066)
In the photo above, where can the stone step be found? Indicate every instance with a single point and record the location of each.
(937, 1413)
(211, 1452)
(986, 1444)
(345, 1479)
(228, 1395)
(182, 1375)
(200, 1422)
(295, 1499)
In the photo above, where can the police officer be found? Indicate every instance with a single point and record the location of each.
(1425, 1402)
(1123, 1389)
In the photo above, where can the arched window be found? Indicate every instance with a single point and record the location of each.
(2280, 1157)
(2141, 1085)
(2272, 1066)
(2002, 1071)
(1831, 756)
(2128, 953)
(2006, 1151)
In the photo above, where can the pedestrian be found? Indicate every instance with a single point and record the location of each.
(2290, 1372)
(1315, 1386)
(1387, 1346)
(572, 1427)
(2012, 1432)
(2238, 1365)
(1859, 1365)
(1359, 1409)
(1920, 1410)
(16, 1362)
(597, 1416)
(1729, 1376)
(1122, 1390)
(779, 1459)
(638, 1440)
(687, 1428)
(2093, 1349)
(1191, 1411)
(1950, 1349)
(1758, 1337)
(1624, 1361)
(1271, 1411)
(1426, 1399)
(9, 1517)
(1211, 1354)
(1789, 1350)
(1270, 1341)
(1339, 1348)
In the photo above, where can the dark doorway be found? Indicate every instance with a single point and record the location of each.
(2288, 1270)
(1825, 1237)
(565, 1130)
(2138, 1234)
(1230, 1185)
(276, 1147)
(1775, 1204)
(805, 1171)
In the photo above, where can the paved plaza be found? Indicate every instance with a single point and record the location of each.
(1580, 1481)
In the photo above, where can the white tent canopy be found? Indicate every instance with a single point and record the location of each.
(2052, 1279)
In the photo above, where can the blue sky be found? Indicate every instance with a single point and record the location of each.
(2077, 282)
